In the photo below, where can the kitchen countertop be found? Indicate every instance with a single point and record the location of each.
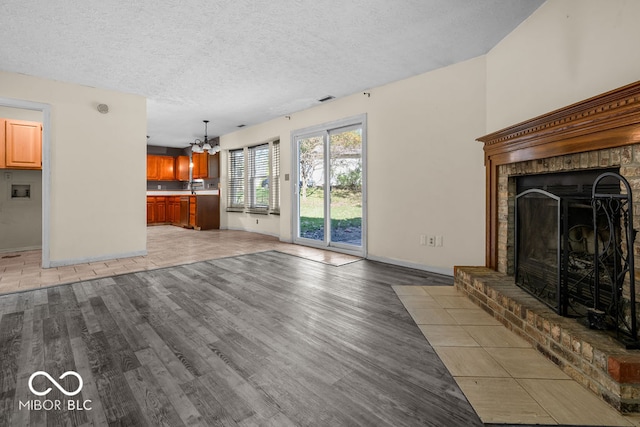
(182, 193)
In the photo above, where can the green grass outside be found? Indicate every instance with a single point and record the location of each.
(346, 209)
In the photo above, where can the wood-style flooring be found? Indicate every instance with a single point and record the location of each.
(259, 339)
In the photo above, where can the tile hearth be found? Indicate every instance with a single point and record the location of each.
(594, 359)
(502, 376)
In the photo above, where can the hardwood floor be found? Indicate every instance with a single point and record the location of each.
(259, 339)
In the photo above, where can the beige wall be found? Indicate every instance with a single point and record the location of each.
(566, 51)
(425, 171)
(98, 181)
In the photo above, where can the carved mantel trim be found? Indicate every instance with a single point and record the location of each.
(609, 120)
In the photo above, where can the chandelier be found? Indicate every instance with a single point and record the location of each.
(199, 146)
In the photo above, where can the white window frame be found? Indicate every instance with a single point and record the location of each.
(273, 179)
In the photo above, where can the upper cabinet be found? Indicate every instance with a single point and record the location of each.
(167, 168)
(214, 166)
(182, 168)
(200, 165)
(160, 168)
(153, 172)
(20, 144)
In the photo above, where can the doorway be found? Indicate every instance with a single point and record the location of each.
(45, 179)
(330, 186)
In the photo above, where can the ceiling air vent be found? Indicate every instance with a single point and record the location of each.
(326, 98)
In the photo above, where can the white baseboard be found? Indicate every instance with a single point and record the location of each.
(62, 263)
(250, 231)
(439, 270)
(26, 248)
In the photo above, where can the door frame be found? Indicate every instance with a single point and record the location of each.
(45, 109)
(325, 128)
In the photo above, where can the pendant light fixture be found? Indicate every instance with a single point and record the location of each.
(199, 146)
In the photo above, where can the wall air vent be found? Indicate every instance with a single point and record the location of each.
(326, 98)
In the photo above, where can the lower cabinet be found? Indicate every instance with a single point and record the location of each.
(198, 212)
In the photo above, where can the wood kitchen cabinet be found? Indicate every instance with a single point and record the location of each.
(160, 168)
(20, 144)
(156, 210)
(204, 212)
(214, 166)
(173, 209)
(182, 168)
(161, 209)
(167, 168)
(153, 171)
(200, 165)
(198, 212)
(151, 210)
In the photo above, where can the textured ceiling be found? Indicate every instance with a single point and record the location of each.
(244, 61)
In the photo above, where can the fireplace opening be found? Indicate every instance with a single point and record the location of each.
(569, 249)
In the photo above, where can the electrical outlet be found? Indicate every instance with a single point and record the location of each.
(438, 240)
(256, 221)
(7, 176)
(431, 240)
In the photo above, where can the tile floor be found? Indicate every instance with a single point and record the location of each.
(502, 376)
(21, 271)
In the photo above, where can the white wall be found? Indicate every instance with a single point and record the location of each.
(425, 170)
(98, 179)
(566, 51)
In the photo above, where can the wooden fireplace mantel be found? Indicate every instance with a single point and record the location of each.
(609, 120)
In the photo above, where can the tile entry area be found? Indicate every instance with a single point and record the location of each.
(502, 376)
(167, 246)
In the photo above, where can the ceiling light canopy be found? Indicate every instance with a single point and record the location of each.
(200, 146)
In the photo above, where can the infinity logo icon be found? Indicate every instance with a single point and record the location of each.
(65, 392)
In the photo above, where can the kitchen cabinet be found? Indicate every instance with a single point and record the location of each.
(156, 210)
(161, 209)
(167, 168)
(214, 166)
(153, 172)
(200, 165)
(173, 209)
(204, 212)
(182, 168)
(151, 210)
(184, 211)
(198, 212)
(21, 144)
(160, 168)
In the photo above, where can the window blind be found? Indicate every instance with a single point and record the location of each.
(235, 190)
(275, 178)
(258, 159)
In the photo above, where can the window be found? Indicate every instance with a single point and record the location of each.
(236, 180)
(262, 185)
(258, 161)
(275, 178)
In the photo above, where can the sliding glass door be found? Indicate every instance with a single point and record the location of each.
(329, 186)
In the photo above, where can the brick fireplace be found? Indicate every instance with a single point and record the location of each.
(599, 134)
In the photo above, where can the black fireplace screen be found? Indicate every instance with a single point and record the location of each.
(574, 247)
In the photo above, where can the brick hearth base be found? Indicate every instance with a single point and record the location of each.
(593, 358)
